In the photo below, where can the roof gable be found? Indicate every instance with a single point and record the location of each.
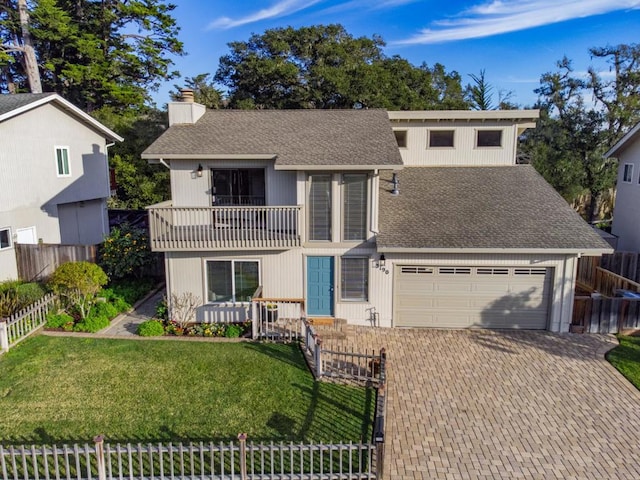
(295, 138)
(12, 105)
(624, 142)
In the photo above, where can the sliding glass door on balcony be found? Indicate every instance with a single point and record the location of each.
(238, 186)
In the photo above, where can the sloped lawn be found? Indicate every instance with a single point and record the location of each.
(626, 358)
(60, 389)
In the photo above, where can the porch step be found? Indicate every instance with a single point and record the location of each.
(326, 321)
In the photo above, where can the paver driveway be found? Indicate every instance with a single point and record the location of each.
(499, 404)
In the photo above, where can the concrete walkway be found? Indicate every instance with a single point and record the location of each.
(126, 324)
(505, 404)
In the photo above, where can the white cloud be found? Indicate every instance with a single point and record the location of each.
(280, 9)
(497, 17)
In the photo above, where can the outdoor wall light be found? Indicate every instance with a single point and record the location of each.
(200, 169)
(382, 261)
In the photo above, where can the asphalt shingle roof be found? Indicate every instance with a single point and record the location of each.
(510, 207)
(296, 137)
(9, 102)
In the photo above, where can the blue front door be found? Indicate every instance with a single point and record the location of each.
(319, 286)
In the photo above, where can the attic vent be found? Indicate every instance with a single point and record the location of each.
(417, 270)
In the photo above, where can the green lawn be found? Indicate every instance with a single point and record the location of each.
(626, 358)
(57, 389)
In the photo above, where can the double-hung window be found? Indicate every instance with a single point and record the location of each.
(627, 174)
(320, 207)
(354, 279)
(354, 206)
(5, 238)
(232, 280)
(62, 162)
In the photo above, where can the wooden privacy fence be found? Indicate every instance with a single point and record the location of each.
(626, 264)
(600, 314)
(594, 277)
(25, 322)
(206, 461)
(40, 261)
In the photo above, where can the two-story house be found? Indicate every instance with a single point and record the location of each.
(418, 219)
(626, 212)
(54, 177)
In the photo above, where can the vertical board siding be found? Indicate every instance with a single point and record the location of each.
(606, 315)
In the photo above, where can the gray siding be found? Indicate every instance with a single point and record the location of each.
(626, 214)
(30, 189)
(189, 190)
(83, 223)
(8, 266)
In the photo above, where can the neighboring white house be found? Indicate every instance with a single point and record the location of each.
(417, 219)
(54, 178)
(626, 212)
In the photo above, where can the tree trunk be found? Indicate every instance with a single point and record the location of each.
(30, 62)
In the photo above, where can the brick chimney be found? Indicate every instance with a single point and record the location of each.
(186, 110)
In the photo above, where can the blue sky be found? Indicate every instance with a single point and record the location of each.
(513, 41)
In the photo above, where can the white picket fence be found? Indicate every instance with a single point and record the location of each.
(25, 322)
(195, 461)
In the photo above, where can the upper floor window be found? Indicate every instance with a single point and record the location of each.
(440, 138)
(5, 238)
(238, 186)
(62, 161)
(232, 280)
(320, 207)
(401, 138)
(489, 138)
(354, 206)
(627, 174)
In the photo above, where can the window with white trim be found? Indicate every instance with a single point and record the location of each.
(488, 138)
(627, 174)
(5, 238)
(232, 280)
(320, 207)
(354, 206)
(441, 138)
(354, 279)
(62, 162)
(401, 138)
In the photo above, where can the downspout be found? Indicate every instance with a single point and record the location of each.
(105, 221)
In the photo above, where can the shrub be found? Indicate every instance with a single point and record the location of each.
(107, 309)
(92, 324)
(125, 251)
(151, 328)
(78, 283)
(29, 293)
(8, 303)
(162, 310)
(131, 290)
(60, 320)
(117, 301)
(233, 331)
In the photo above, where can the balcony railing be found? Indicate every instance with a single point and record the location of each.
(223, 228)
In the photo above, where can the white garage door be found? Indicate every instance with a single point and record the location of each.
(471, 297)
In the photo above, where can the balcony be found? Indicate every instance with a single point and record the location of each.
(223, 228)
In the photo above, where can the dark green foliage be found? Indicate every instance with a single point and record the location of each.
(94, 53)
(204, 91)
(131, 290)
(233, 331)
(125, 252)
(162, 310)
(323, 66)
(119, 303)
(60, 320)
(106, 309)
(92, 324)
(29, 293)
(151, 328)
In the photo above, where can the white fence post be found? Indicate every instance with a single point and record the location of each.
(242, 438)
(4, 335)
(99, 441)
(254, 320)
